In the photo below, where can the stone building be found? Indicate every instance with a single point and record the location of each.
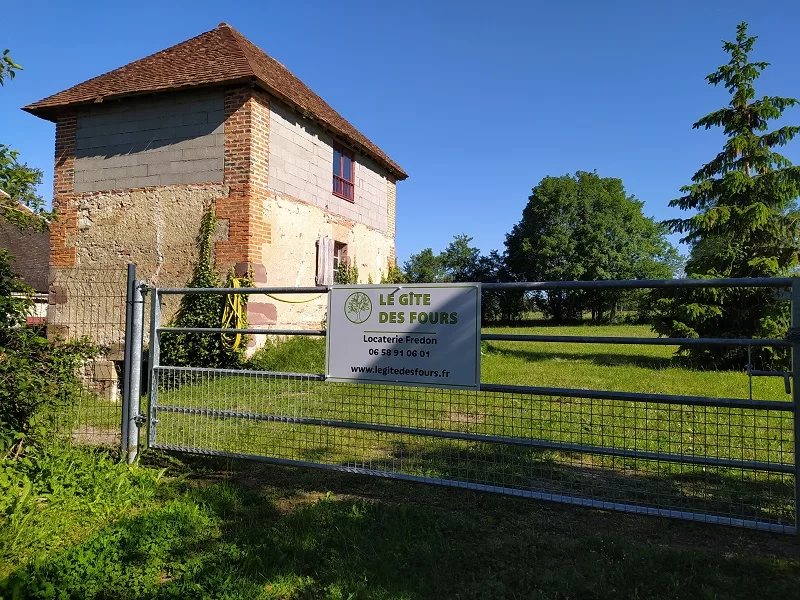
(143, 150)
(30, 251)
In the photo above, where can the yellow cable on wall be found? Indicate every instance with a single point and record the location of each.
(294, 301)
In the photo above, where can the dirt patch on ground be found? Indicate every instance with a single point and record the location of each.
(94, 436)
(456, 416)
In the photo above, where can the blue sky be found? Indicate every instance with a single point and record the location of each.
(477, 101)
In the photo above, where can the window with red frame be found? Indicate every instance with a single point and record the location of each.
(343, 173)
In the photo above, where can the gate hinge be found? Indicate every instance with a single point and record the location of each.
(140, 419)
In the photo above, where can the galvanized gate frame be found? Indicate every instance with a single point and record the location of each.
(134, 420)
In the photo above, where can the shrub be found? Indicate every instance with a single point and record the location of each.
(394, 275)
(36, 374)
(346, 274)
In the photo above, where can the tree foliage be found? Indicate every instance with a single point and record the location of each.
(20, 181)
(746, 221)
(36, 374)
(458, 262)
(585, 228)
(8, 68)
(17, 179)
(424, 267)
(461, 262)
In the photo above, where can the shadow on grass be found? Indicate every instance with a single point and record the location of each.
(705, 490)
(259, 531)
(607, 358)
(756, 496)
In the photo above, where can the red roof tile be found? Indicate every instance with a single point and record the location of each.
(220, 56)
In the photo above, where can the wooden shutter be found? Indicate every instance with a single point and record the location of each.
(325, 261)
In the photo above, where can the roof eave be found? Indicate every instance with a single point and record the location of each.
(51, 112)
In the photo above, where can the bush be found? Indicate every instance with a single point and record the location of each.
(36, 374)
(346, 274)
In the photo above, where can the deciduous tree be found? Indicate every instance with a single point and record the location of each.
(585, 228)
(17, 179)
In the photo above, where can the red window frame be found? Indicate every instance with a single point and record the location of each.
(343, 187)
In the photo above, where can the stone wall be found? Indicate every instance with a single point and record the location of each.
(30, 252)
(153, 227)
(291, 259)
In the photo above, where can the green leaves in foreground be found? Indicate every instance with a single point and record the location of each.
(52, 494)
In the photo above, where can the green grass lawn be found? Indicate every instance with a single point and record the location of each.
(219, 528)
(648, 369)
(736, 434)
(183, 526)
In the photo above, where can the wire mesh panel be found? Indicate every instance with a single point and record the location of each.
(730, 464)
(90, 303)
(704, 458)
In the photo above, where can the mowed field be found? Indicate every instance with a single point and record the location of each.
(220, 527)
(628, 368)
(568, 446)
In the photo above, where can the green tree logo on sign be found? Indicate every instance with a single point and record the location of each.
(357, 307)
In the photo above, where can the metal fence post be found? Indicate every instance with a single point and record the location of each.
(135, 394)
(126, 375)
(794, 337)
(155, 323)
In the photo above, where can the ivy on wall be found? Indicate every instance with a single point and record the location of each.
(207, 310)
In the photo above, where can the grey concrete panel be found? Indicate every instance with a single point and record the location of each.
(135, 182)
(95, 186)
(139, 142)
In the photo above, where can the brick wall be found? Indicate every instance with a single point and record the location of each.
(62, 253)
(164, 140)
(246, 170)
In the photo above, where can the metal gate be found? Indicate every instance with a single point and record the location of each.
(717, 460)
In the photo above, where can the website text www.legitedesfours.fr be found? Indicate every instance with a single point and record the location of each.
(405, 371)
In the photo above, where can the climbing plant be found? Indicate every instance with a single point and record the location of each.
(207, 310)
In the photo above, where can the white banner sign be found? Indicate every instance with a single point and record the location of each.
(426, 334)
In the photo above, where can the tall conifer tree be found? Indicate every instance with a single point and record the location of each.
(746, 224)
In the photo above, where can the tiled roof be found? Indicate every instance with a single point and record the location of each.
(220, 56)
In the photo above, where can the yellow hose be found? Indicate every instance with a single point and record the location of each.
(234, 316)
